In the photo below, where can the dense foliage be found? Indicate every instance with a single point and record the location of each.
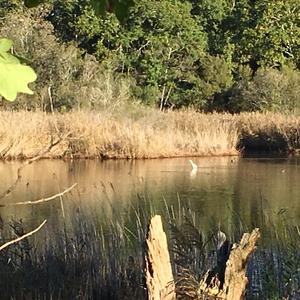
(212, 55)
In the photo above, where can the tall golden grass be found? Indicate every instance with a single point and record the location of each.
(269, 131)
(136, 133)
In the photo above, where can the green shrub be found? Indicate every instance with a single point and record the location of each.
(269, 90)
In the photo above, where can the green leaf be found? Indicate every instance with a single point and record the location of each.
(14, 77)
(5, 45)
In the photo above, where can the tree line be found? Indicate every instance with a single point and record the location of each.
(224, 55)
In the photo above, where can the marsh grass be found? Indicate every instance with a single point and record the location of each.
(139, 132)
(269, 132)
(274, 271)
(87, 257)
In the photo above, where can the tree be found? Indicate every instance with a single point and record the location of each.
(159, 46)
(265, 33)
(164, 48)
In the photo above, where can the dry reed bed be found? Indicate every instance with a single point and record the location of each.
(269, 132)
(143, 133)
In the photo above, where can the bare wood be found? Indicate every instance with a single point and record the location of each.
(40, 200)
(235, 273)
(235, 281)
(159, 277)
(23, 236)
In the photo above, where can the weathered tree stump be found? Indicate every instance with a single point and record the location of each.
(159, 277)
(228, 281)
(235, 280)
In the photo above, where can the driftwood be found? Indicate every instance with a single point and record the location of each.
(235, 280)
(41, 200)
(159, 277)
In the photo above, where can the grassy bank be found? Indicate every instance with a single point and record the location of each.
(143, 133)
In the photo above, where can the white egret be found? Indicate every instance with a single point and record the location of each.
(194, 168)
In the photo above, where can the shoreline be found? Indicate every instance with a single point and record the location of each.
(67, 158)
(144, 133)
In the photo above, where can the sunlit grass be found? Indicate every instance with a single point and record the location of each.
(138, 132)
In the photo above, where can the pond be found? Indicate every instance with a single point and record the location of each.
(224, 190)
(233, 194)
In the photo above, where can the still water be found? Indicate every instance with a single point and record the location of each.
(82, 251)
(225, 191)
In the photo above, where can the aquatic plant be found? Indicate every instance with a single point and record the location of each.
(88, 257)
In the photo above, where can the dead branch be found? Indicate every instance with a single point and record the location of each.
(27, 162)
(23, 236)
(40, 200)
(235, 274)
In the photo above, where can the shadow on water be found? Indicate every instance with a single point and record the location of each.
(95, 249)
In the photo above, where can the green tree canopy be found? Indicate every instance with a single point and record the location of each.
(265, 33)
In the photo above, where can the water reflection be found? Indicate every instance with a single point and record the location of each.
(225, 191)
(102, 222)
